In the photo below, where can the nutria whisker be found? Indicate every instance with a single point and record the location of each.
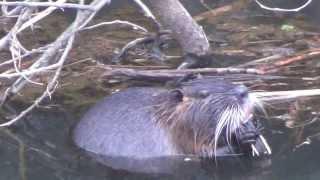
(229, 123)
(172, 114)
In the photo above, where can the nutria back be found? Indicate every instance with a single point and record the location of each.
(121, 125)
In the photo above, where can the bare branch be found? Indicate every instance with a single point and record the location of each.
(164, 75)
(280, 95)
(48, 57)
(49, 4)
(23, 17)
(283, 10)
(26, 73)
(39, 16)
(34, 51)
(145, 9)
(134, 26)
(50, 88)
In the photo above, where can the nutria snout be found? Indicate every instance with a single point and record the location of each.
(201, 117)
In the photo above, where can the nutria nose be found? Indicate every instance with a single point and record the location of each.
(241, 91)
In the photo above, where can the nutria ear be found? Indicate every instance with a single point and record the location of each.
(177, 94)
(200, 76)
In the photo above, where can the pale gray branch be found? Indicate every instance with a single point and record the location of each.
(82, 19)
(50, 87)
(145, 9)
(280, 95)
(281, 9)
(48, 4)
(134, 26)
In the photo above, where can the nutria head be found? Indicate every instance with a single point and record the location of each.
(202, 114)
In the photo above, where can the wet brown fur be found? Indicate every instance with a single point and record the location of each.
(189, 136)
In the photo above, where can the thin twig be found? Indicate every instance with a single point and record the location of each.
(148, 13)
(49, 56)
(281, 9)
(49, 4)
(134, 26)
(29, 72)
(296, 58)
(259, 61)
(29, 53)
(48, 59)
(145, 9)
(310, 54)
(39, 16)
(219, 11)
(280, 95)
(23, 17)
(213, 13)
(51, 86)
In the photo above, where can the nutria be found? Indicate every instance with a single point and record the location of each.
(205, 117)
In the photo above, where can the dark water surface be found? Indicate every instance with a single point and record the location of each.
(40, 147)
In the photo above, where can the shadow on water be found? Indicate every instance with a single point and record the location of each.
(40, 147)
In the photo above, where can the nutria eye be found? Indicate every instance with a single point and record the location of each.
(177, 94)
(244, 94)
(242, 91)
(204, 93)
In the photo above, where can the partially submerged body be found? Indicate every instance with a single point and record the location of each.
(202, 118)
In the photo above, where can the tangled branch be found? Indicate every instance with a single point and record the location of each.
(51, 57)
(48, 4)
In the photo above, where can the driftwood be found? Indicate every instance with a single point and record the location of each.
(172, 15)
(163, 75)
